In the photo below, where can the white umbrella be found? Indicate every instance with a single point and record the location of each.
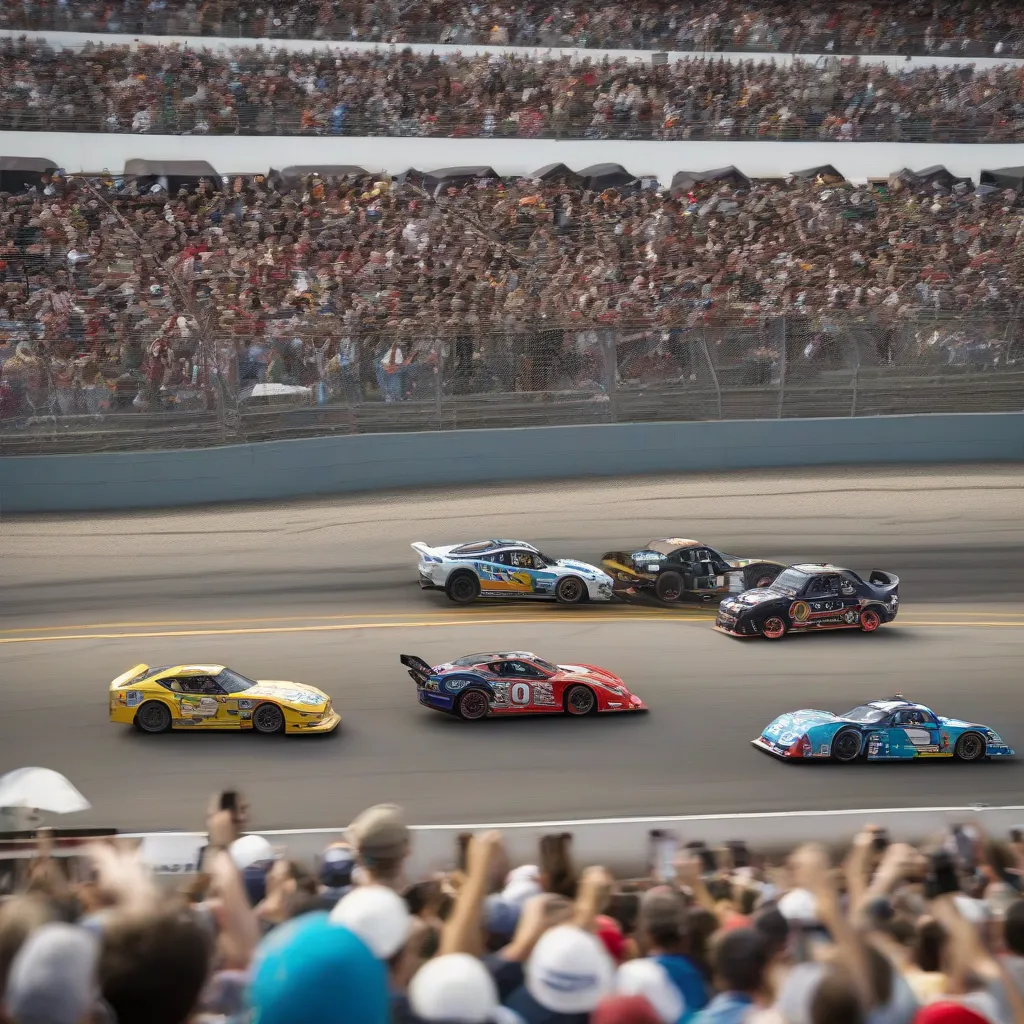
(40, 789)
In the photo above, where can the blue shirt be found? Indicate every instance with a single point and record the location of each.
(725, 1008)
(688, 980)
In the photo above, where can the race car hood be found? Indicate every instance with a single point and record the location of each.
(581, 567)
(593, 674)
(796, 723)
(751, 598)
(956, 723)
(286, 692)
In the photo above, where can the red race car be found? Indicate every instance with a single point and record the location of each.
(517, 683)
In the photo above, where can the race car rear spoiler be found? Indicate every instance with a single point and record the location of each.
(425, 550)
(419, 670)
(883, 580)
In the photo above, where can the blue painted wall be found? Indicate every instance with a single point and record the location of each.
(366, 462)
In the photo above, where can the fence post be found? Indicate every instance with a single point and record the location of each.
(439, 381)
(782, 366)
(711, 367)
(856, 374)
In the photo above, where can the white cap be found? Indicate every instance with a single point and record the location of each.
(250, 850)
(569, 970)
(518, 892)
(649, 979)
(457, 989)
(378, 915)
(799, 906)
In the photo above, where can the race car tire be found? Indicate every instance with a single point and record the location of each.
(154, 716)
(579, 700)
(970, 747)
(473, 705)
(759, 576)
(570, 590)
(774, 627)
(268, 719)
(847, 745)
(669, 587)
(462, 587)
(870, 620)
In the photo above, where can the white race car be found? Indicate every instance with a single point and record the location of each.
(508, 568)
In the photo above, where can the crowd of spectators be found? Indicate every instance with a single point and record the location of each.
(971, 27)
(109, 287)
(889, 934)
(253, 91)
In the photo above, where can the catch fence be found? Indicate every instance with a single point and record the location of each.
(904, 35)
(317, 376)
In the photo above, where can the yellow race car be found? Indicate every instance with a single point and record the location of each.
(216, 697)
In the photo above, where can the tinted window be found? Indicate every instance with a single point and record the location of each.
(790, 582)
(521, 559)
(233, 682)
(501, 557)
(472, 659)
(865, 714)
(473, 549)
(522, 668)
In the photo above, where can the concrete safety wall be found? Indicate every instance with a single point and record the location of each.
(84, 153)
(368, 462)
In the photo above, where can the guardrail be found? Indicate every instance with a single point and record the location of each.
(621, 844)
(276, 470)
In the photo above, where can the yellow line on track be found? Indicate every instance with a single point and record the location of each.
(435, 623)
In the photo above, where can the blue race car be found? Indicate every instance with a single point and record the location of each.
(881, 730)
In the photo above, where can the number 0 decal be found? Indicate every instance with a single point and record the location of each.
(520, 693)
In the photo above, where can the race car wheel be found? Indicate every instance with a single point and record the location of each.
(462, 587)
(970, 747)
(473, 704)
(773, 628)
(268, 719)
(153, 716)
(570, 590)
(846, 746)
(669, 587)
(869, 620)
(580, 700)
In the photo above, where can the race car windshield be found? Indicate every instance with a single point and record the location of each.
(233, 682)
(545, 559)
(865, 715)
(790, 582)
(546, 665)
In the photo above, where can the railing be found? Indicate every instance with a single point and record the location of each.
(773, 367)
(891, 35)
(187, 120)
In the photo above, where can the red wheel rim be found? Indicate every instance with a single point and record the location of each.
(869, 621)
(774, 628)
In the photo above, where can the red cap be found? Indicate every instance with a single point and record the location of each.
(949, 1013)
(609, 932)
(624, 1010)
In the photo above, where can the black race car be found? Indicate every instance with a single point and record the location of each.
(809, 598)
(676, 568)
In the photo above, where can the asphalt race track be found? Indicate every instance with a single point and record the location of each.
(324, 592)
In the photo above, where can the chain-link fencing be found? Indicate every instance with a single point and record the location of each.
(318, 376)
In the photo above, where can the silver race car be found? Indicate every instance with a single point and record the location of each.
(508, 569)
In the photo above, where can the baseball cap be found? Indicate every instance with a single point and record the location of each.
(624, 1010)
(52, 979)
(379, 833)
(456, 989)
(949, 1013)
(799, 906)
(378, 915)
(248, 851)
(336, 866)
(313, 971)
(649, 979)
(500, 917)
(662, 910)
(568, 973)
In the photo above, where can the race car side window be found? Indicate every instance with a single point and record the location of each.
(521, 559)
(501, 557)
(522, 668)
